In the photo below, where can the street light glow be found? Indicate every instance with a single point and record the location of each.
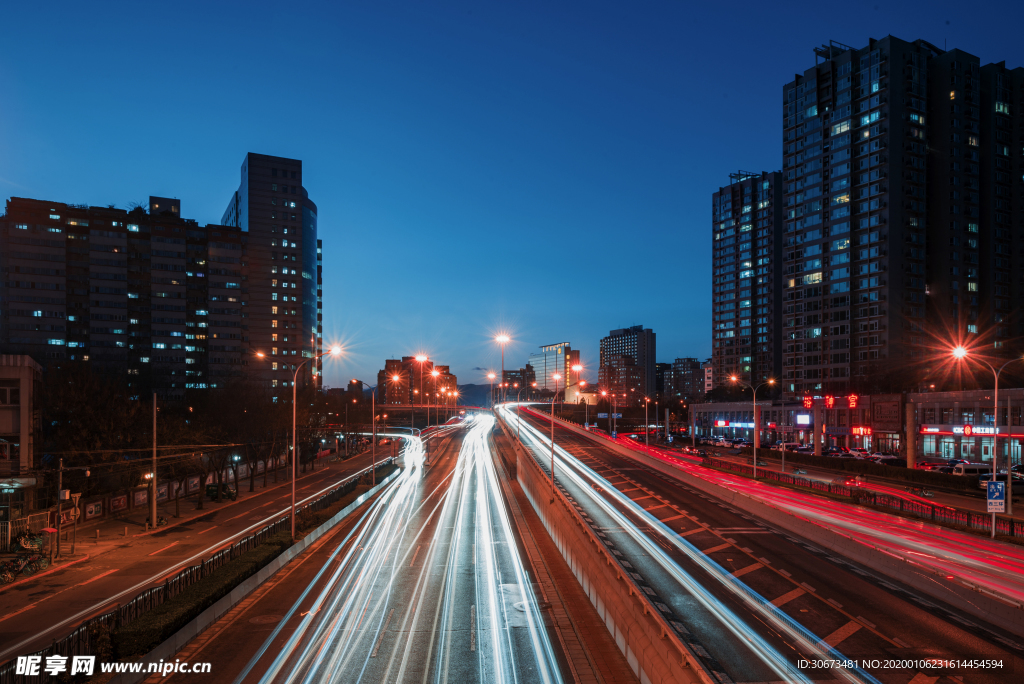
(491, 376)
(394, 378)
(421, 358)
(502, 339)
(260, 354)
(959, 352)
(435, 372)
(335, 350)
(556, 376)
(577, 368)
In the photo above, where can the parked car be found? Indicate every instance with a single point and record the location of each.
(226, 492)
(789, 446)
(859, 452)
(972, 469)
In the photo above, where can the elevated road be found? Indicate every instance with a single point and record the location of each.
(753, 599)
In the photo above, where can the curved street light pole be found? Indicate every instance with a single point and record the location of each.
(757, 426)
(295, 454)
(556, 376)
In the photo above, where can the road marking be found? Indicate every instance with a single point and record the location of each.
(693, 531)
(623, 491)
(674, 517)
(787, 597)
(382, 633)
(472, 627)
(208, 529)
(414, 555)
(97, 577)
(654, 508)
(713, 549)
(649, 496)
(164, 549)
(843, 633)
(749, 568)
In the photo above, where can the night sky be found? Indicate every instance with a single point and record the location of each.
(543, 169)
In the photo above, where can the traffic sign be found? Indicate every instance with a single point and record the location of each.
(616, 415)
(615, 434)
(996, 496)
(602, 415)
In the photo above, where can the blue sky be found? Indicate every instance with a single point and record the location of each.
(539, 168)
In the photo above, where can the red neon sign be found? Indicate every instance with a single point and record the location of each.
(853, 400)
(830, 401)
(808, 402)
(860, 430)
(968, 430)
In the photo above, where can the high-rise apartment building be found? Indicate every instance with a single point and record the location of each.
(408, 381)
(145, 295)
(747, 276)
(624, 349)
(902, 192)
(685, 380)
(280, 221)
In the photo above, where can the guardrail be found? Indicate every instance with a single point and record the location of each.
(83, 640)
(949, 515)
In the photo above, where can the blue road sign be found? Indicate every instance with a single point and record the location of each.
(614, 434)
(602, 415)
(616, 415)
(996, 496)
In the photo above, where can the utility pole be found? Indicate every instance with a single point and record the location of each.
(152, 493)
(74, 538)
(60, 500)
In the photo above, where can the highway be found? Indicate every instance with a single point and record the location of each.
(752, 600)
(427, 585)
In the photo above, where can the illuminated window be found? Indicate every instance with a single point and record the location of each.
(972, 287)
(273, 324)
(273, 366)
(972, 329)
(952, 94)
(273, 338)
(273, 310)
(273, 351)
(273, 283)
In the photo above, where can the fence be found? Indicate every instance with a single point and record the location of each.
(83, 641)
(947, 515)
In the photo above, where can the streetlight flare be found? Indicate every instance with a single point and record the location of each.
(502, 339)
(556, 376)
(335, 350)
(395, 378)
(491, 376)
(260, 354)
(577, 368)
(421, 357)
(959, 352)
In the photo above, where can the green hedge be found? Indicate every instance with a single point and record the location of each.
(963, 483)
(156, 626)
(307, 521)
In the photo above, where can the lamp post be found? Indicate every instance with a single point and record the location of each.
(295, 454)
(502, 340)
(556, 377)
(961, 353)
(491, 376)
(757, 430)
(433, 373)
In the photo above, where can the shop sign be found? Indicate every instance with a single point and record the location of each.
(721, 423)
(886, 413)
(861, 430)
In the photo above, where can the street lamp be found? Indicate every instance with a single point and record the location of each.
(961, 353)
(502, 340)
(556, 377)
(420, 358)
(757, 427)
(334, 351)
(491, 376)
(434, 373)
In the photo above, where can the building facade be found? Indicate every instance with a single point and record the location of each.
(145, 295)
(746, 278)
(415, 383)
(628, 361)
(552, 359)
(902, 169)
(685, 381)
(273, 209)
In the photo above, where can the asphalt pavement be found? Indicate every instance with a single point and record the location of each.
(714, 548)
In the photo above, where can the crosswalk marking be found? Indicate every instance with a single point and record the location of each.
(788, 596)
(749, 568)
(843, 633)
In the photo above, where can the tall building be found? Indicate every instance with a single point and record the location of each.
(554, 358)
(145, 295)
(686, 380)
(709, 375)
(662, 378)
(747, 276)
(280, 221)
(902, 198)
(625, 348)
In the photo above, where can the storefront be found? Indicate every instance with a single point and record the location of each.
(975, 443)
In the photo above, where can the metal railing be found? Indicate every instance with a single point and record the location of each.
(84, 640)
(948, 515)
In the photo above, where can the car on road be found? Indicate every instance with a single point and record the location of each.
(859, 452)
(226, 492)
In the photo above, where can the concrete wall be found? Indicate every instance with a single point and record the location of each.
(651, 647)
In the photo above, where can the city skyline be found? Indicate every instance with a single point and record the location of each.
(406, 114)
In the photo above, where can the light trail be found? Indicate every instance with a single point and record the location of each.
(992, 566)
(585, 478)
(394, 600)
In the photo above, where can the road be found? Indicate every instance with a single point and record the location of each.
(427, 586)
(751, 597)
(35, 612)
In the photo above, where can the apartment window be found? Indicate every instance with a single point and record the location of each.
(273, 365)
(273, 351)
(273, 324)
